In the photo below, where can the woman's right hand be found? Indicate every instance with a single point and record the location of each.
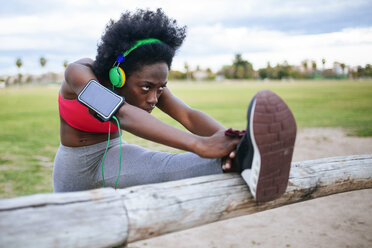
(216, 146)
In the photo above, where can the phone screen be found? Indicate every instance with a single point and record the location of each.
(100, 99)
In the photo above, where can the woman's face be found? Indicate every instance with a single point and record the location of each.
(144, 87)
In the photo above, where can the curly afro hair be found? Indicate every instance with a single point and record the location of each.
(121, 35)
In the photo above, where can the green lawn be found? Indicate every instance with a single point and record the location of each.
(29, 122)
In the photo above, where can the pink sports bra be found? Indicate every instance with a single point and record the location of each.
(78, 116)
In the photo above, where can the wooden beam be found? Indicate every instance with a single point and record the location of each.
(109, 218)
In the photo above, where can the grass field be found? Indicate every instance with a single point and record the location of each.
(29, 121)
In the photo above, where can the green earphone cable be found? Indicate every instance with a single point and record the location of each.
(117, 177)
(113, 75)
(104, 155)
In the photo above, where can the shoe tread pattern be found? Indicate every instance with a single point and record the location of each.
(274, 129)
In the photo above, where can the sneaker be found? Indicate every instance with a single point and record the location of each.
(265, 152)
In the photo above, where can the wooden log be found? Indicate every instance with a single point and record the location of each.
(108, 218)
(94, 218)
(157, 209)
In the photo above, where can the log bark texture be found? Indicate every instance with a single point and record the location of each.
(109, 218)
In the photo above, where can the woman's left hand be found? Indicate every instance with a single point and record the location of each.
(216, 146)
(227, 162)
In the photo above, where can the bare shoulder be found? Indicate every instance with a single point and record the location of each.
(77, 74)
(84, 61)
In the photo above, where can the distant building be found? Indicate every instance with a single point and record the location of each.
(200, 74)
(338, 70)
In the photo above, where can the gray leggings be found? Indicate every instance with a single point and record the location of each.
(79, 168)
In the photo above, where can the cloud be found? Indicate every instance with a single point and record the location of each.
(262, 31)
(211, 46)
(292, 16)
(284, 15)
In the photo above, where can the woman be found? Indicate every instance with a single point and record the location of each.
(80, 163)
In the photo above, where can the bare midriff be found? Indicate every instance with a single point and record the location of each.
(75, 138)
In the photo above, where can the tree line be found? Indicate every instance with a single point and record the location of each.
(308, 69)
(243, 69)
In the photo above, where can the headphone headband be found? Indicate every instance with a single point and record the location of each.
(140, 43)
(116, 74)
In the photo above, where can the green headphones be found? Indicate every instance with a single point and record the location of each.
(116, 74)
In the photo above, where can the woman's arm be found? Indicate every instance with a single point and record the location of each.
(143, 124)
(193, 120)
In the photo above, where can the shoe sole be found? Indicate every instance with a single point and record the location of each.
(272, 129)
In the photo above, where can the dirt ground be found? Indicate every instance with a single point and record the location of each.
(341, 220)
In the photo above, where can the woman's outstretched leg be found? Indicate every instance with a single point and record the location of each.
(143, 166)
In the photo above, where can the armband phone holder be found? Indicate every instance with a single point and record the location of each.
(104, 102)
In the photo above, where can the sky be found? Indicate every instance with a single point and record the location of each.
(262, 31)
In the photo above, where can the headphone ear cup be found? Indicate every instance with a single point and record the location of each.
(117, 77)
(122, 77)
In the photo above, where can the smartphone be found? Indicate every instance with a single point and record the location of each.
(101, 100)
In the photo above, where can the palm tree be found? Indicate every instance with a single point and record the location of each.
(43, 61)
(19, 64)
(304, 64)
(343, 68)
(187, 68)
(313, 65)
(238, 62)
(323, 62)
(65, 64)
(270, 73)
